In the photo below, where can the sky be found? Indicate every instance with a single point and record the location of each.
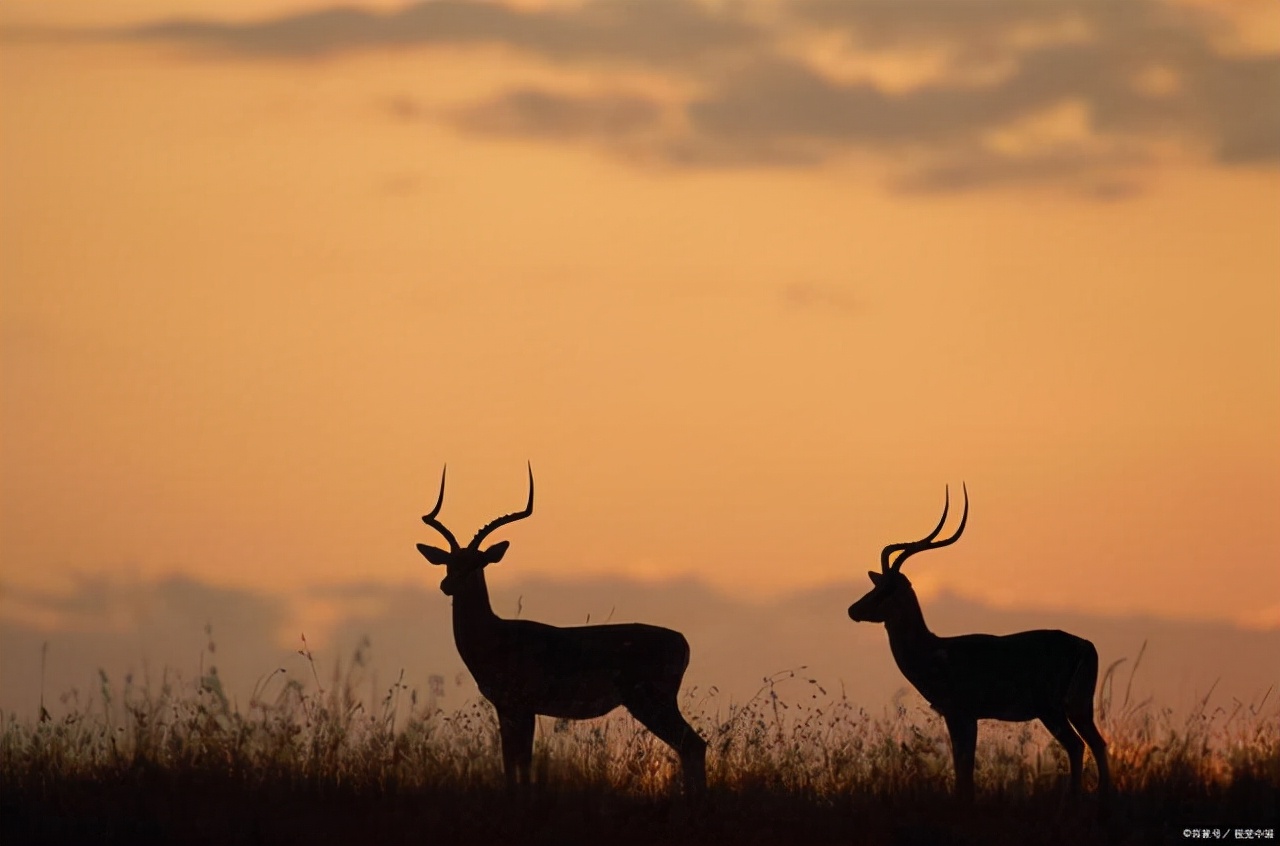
(749, 284)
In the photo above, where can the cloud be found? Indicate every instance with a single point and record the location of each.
(1229, 104)
(1239, 101)
(530, 112)
(972, 26)
(1147, 79)
(1101, 177)
(656, 32)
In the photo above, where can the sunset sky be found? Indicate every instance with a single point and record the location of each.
(748, 284)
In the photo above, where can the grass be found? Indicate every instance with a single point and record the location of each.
(178, 761)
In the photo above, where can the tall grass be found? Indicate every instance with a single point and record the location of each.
(140, 760)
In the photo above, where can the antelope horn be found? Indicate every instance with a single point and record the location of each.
(430, 519)
(928, 542)
(506, 518)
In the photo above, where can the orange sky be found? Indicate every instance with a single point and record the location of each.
(255, 295)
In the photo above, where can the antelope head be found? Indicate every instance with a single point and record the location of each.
(890, 586)
(463, 563)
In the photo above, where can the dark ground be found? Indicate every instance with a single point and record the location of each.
(203, 807)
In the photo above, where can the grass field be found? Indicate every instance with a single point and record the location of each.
(174, 761)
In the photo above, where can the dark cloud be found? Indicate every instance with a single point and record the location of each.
(788, 100)
(1101, 175)
(1143, 73)
(969, 27)
(539, 113)
(632, 126)
(1230, 104)
(1239, 102)
(656, 32)
(700, 151)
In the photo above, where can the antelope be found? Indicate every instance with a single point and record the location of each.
(1043, 674)
(526, 668)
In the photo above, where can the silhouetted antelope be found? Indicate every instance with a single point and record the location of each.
(1044, 675)
(526, 668)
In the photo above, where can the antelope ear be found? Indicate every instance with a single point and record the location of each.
(433, 554)
(494, 554)
(876, 578)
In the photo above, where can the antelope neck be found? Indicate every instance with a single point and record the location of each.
(471, 604)
(908, 632)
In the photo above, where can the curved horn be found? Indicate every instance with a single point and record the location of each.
(921, 545)
(506, 518)
(929, 543)
(430, 519)
(897, 547)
